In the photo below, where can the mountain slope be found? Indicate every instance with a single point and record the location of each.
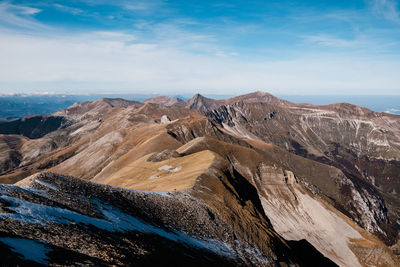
(294, 212)
(362, 143)
(163, 100)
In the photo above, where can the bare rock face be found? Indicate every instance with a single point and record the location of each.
(294, 211)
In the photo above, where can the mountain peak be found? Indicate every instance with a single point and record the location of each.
(203, 103)
(258, 96)
(198, 96)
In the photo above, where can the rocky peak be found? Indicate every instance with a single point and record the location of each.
(202, 103)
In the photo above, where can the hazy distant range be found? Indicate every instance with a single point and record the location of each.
(17, 106)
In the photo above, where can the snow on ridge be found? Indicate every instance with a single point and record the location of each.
(46, 185)
(38, 192)
(160, 193)
(113, 221)
(29, 249)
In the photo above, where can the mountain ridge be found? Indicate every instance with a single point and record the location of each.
(256, 149)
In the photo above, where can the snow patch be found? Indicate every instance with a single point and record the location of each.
(165, 168)
(169, 168)
(38, 192)
(114, 220)
(252, 252)
(3, 192)
(154, 176)
(29, 249)
(46, 185)
(165, 119)
(178, 168)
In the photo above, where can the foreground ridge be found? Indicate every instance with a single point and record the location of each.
(97, 224)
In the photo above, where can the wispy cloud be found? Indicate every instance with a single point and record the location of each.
(226, 54)
(68, 9)
(140, 5)
(330, 41)
(130, 5)
(108, 36)
(19, 16)
(155, 45)
(387, 9)
(112, 63)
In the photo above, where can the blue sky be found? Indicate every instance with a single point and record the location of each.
(219, 47)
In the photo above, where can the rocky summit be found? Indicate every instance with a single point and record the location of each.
(251, 180)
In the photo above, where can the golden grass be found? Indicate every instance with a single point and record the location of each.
(151, 176)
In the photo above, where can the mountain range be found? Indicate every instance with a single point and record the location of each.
(252, 180)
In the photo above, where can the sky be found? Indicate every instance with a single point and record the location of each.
(211, 47)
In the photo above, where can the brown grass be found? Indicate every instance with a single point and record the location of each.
(149, 176)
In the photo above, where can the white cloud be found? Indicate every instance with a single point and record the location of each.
(387, 9)
(20, 16)
(95, 63)
(109, 36)
(226, 54)
(68, 9)
(331, 41)
(141, 6)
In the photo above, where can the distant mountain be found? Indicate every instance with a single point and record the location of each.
(201, 103)
(163, 100)
(248, 180)
(96, 108)
(16, 106)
